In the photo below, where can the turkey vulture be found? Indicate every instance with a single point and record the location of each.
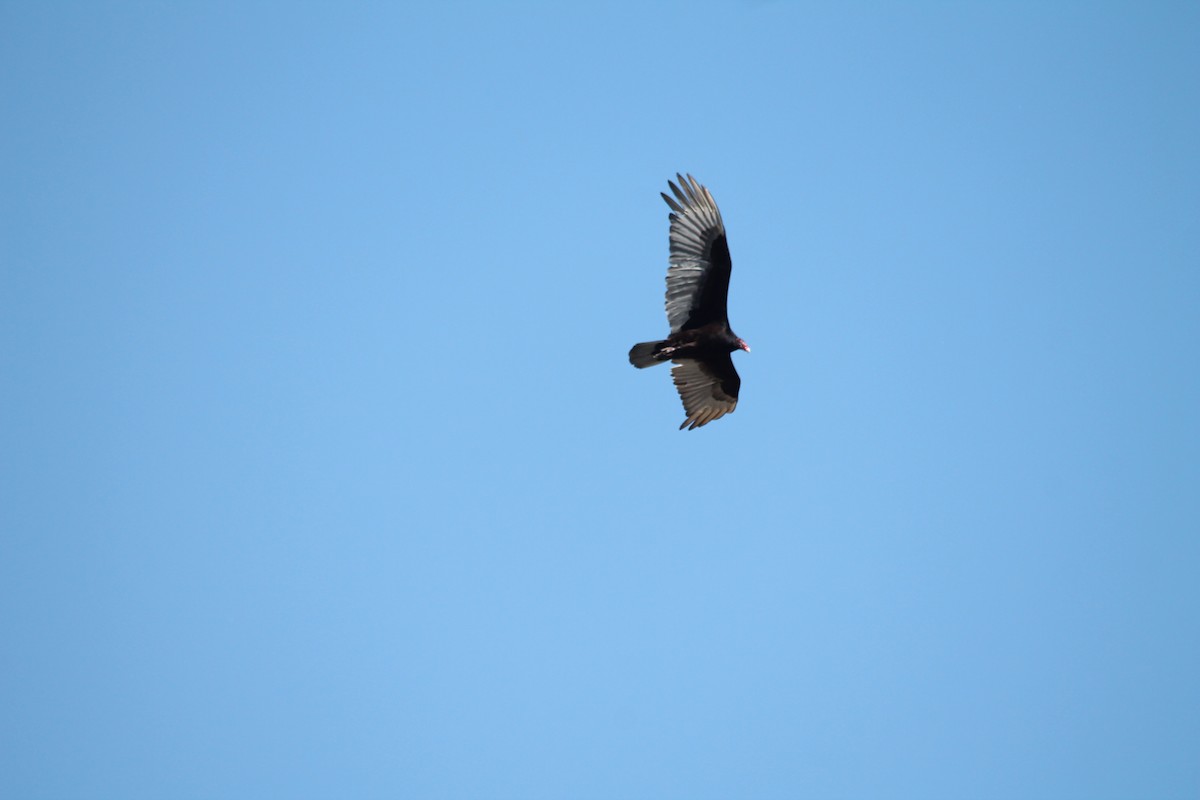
(697, 289)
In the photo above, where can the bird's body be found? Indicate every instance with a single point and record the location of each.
(708, 341)
(697, 291)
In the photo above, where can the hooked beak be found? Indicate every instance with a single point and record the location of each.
(742, 344)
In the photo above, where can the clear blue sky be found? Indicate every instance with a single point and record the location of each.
(323, 472)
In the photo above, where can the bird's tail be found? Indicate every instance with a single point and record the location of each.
(645, 354)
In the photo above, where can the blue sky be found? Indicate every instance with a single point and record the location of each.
(323, 472)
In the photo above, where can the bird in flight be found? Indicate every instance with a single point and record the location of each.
(697, 290)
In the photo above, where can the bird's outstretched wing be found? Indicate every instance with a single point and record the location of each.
(709, 389)
(698, 277)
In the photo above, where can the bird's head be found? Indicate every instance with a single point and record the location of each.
(741, 343)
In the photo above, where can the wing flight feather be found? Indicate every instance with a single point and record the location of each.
(708, 389)
(698, 275)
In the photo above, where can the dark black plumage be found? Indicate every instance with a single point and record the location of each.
(697, 295)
